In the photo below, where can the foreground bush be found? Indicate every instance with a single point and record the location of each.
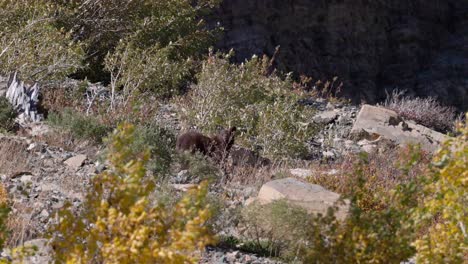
(121, 224)
(365, 236)
(379, 227)
(7, 115)
(244, 96)
(4, 213)
(444, 213)
(425, 111)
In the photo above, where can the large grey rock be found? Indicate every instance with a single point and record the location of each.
(314, 198)
(373, 122)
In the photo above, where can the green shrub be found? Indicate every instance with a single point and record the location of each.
(120, 223)
(7, 115)
(80, 126)
(263, 106)
(160, 142)
(278, 228)
(33, 44)
(382, 236)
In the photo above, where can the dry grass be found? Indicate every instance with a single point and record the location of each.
(425, 111)
(66, 141)
(14, 157)
(379, 172)
(257, 175)
(20, 226)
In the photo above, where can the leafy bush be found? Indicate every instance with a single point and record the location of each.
(444, 213)
(7, 115)
(425, 111)
(83, 127)
(32, 43)
(243, 96)
(121, 224)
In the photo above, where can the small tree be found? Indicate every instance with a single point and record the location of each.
(121, 224)
(32, 43)
(144, 45)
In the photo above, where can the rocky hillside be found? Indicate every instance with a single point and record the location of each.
(372, 46)
(41, 179)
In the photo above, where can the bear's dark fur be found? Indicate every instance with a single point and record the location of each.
(217, 146)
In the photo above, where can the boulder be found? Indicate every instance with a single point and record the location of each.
(313, 198)
(373, 122)
(76, 162)
(326, 117)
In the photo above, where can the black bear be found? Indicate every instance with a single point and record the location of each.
(216, 147)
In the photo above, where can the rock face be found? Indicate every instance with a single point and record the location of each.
(25, 100)
(314, 198)
(373, 46)
(374, 122)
